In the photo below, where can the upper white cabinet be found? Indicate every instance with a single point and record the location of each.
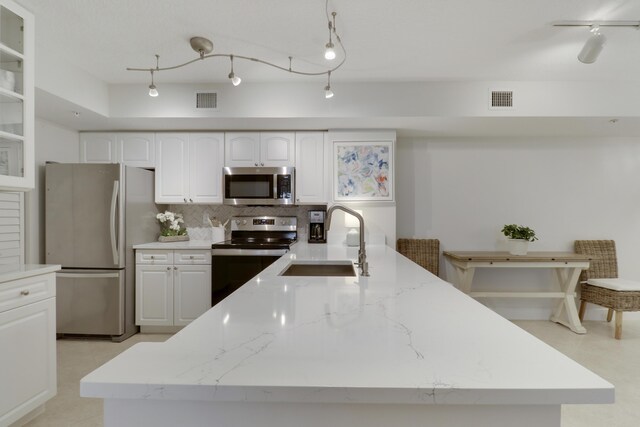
(310, 168)
(136, 149)
(131, 148)
(189, 167)
(16, 97)
(251, 149)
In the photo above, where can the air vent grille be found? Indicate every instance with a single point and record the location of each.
(501, 99)
(208, 100)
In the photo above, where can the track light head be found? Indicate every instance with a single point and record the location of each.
(235, 80)
(592, 48)
(329, 52)
(152, 87)
(328, 93)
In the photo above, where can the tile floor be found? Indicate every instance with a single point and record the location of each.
(616, 361)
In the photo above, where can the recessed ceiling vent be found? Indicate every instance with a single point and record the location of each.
(207, 100)
(501, 99)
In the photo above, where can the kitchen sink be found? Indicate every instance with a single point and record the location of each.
(342, 268)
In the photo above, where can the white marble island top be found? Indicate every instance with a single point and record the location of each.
(399, 336)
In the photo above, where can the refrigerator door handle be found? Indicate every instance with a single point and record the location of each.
(87, 275)
(112, 218)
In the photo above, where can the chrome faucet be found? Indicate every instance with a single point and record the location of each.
(362, 253)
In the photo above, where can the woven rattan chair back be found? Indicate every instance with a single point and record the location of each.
(424, 252)
(605, 262)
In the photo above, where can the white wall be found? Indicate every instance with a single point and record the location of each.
(462, 191)
(52, 143)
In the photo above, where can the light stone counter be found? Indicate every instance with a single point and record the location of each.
(189, 244)
(11, 272)
(401, 347)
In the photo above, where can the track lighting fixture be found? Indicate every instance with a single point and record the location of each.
(592, 48)
(328, 93)
(595, 43)
(235, 80)
(204, 48)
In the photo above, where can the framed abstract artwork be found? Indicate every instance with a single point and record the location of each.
(363, 171)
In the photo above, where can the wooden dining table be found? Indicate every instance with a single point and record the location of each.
(567, 267)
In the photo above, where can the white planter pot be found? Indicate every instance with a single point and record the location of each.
(518, 246)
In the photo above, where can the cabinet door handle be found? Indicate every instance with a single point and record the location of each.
(185, 200)
(24, 292)
(153, 257)
(168, 268)
(191, 200)
(191, 257)
(175, 268)
(256, 164)
(261, 164)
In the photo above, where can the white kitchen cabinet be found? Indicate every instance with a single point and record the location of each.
(154, 295)
(173, 288)
(98, 147)
(191, 292)
(251, 149)
(17, 164)
(189, 168)
(310, 168)
(28, 343)
(136, 149)
(130, 148)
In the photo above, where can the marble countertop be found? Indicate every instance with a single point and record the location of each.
(188, 244)
(11, 272)
(401, 335)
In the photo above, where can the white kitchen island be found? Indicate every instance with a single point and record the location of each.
(400, 348)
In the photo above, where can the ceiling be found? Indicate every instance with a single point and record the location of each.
(403, 41)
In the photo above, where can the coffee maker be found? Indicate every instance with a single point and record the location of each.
(316, 227)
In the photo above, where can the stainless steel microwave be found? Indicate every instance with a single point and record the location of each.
(259, 186)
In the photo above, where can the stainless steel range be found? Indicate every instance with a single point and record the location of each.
(256, 242)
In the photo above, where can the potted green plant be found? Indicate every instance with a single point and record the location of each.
(519, 237)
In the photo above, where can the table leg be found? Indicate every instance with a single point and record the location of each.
(566, 311)
(465, 277)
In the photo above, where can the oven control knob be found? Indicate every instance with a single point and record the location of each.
(244, 222)
(283, 222)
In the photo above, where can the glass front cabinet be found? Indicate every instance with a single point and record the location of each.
(16, 97)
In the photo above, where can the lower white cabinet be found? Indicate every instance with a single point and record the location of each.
(27, 345)
(173, 288)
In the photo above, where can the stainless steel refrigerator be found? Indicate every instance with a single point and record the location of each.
(94, 214)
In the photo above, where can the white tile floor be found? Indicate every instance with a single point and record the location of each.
(616, 361)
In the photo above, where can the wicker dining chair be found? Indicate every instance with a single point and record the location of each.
(424, 252)
(600, 283)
